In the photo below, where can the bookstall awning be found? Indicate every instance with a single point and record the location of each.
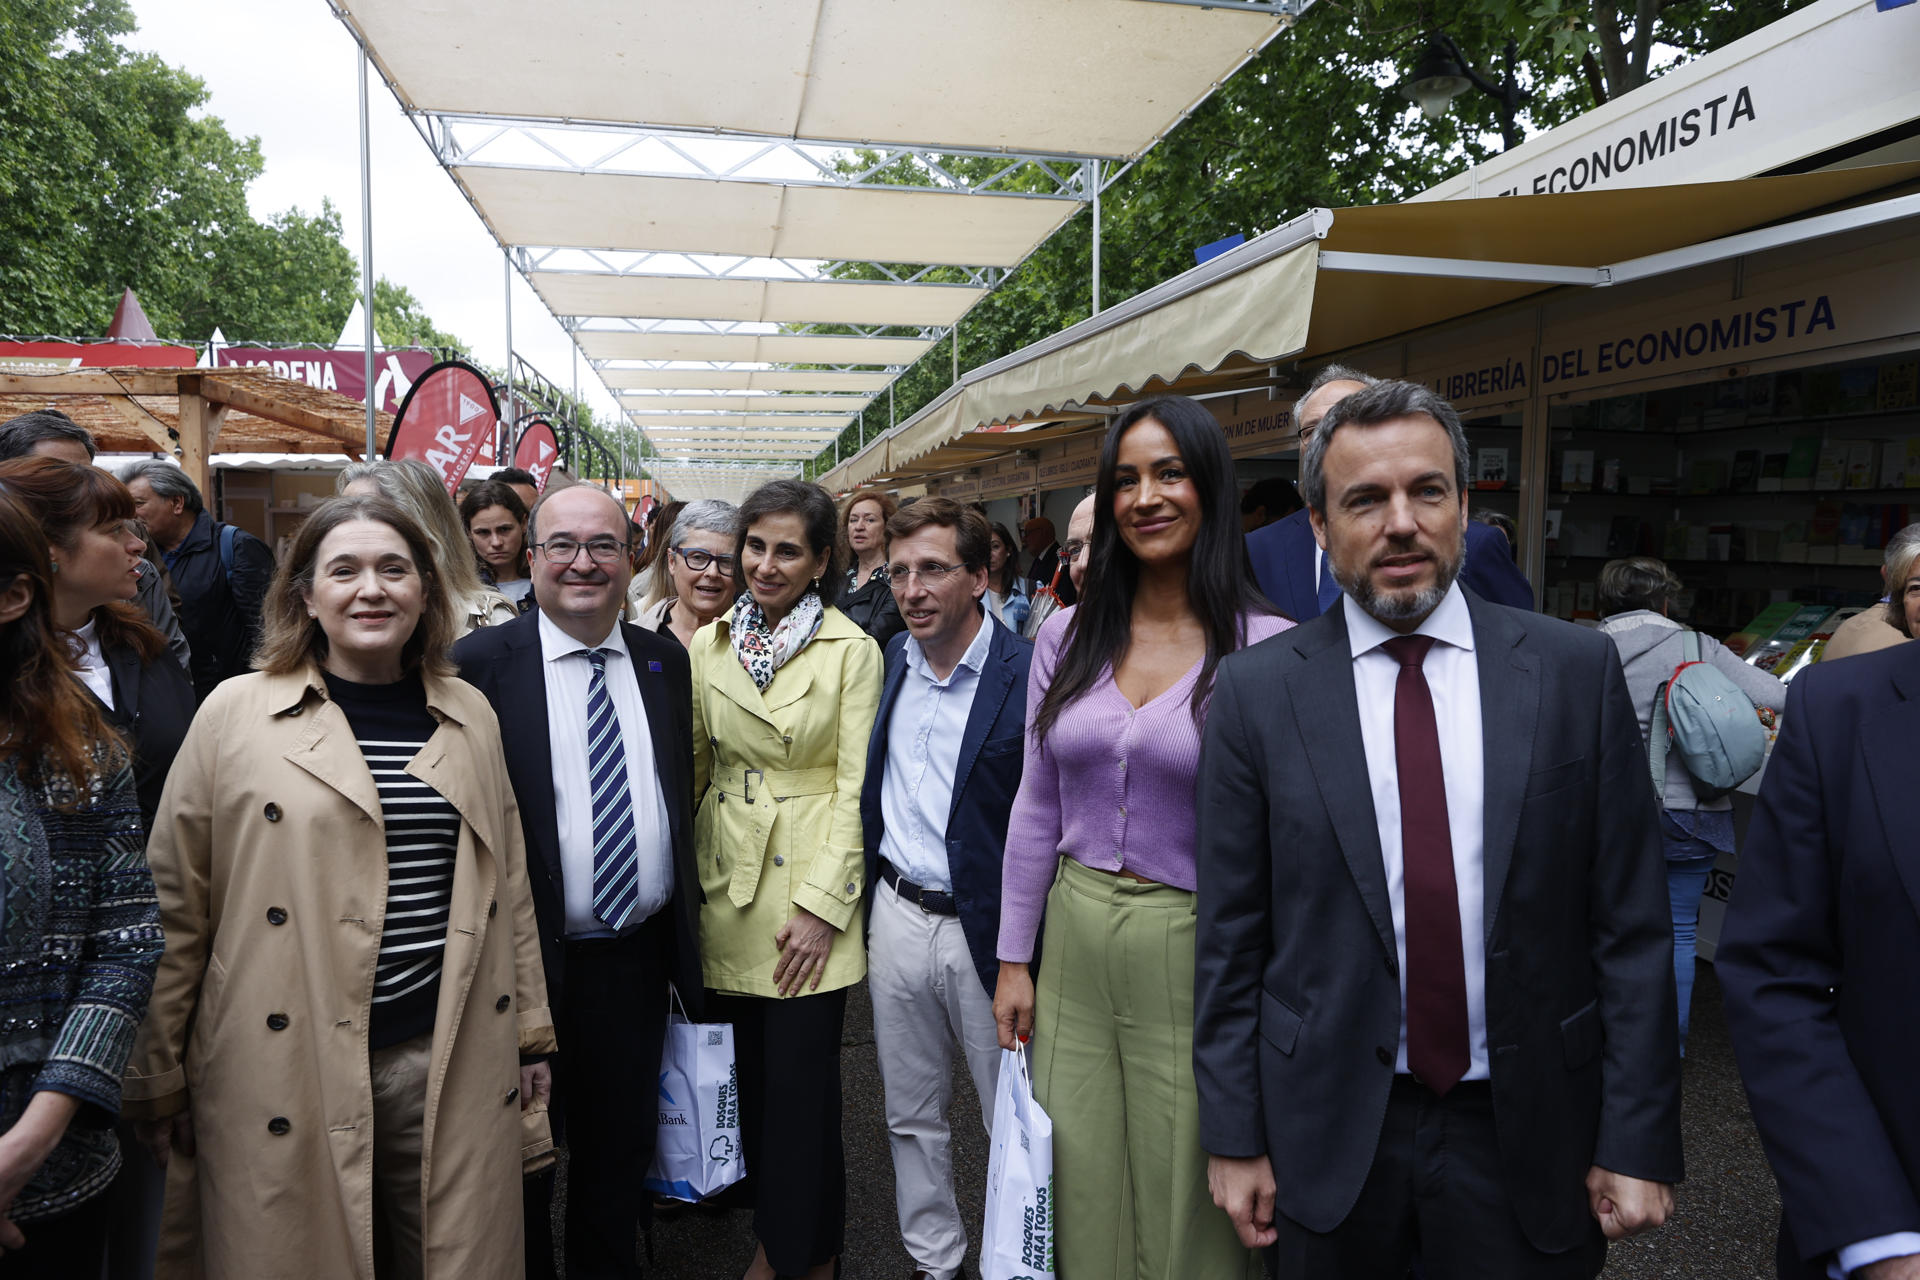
(1333, 279)
(708, 196)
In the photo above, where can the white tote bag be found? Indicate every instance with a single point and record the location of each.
(1017, 1242)
(696, 1149)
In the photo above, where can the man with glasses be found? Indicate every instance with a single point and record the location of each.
(1293, 571)
(943, 765)
(596, 716)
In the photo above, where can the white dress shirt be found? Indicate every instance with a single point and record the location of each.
(568, 673)
(923, 751)
(1454, 678)
(93, 671)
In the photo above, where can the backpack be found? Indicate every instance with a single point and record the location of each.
(227, 535)
(1710, 722)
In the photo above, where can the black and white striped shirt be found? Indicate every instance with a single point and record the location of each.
(391, 723)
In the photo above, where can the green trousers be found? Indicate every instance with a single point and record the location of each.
(1113, 1067)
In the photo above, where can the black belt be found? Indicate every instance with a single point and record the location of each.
(929, 900)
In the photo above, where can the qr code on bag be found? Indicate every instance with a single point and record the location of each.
(714, 1038)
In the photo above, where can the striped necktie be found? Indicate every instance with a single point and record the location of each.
(616, 857)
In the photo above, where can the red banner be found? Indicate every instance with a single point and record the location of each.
(446, 418)
(394, 372)
(537, 451)
(58, 357)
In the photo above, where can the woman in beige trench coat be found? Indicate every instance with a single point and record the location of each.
(271, 857)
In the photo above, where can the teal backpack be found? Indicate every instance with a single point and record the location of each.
(1710, 722)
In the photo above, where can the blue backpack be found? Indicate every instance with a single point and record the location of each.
(1710, 722)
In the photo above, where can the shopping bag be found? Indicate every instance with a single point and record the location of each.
(696, 1149)
(1017, 1240)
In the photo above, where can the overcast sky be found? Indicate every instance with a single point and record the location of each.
(285, 71)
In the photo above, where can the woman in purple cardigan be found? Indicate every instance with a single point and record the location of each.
(1105, 816)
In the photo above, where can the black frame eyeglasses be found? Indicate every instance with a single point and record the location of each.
(566, 550)
(699, 559)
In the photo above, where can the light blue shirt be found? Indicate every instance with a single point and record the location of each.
(923, 752)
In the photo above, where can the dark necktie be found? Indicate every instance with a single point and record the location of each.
(616, 858)
(1437, 1052)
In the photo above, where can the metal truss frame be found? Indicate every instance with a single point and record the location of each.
(662, 151)
(646, 264)
(730, 366)
(1288, 11)
(754, 328)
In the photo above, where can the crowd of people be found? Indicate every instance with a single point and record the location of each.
(1324, 885)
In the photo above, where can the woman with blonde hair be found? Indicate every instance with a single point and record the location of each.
(867, 598)
(344, 1058)
(417, 489)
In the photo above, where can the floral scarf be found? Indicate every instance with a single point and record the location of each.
(763, 650)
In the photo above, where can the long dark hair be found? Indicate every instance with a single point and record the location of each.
(1220, 584)
(53, 728)
(1010, 571)
(815, 508)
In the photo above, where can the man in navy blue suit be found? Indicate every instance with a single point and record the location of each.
(1820, 959)
(943, 765)
(1290, 567)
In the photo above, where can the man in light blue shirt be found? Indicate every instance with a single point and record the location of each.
(942, 770)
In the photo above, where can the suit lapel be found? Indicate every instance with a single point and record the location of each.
(890, 686)
(1327, 714)
(996, 677)
(738, 688)
(669, 740)
(1509, 714)
(529, 746)
(1886, 746)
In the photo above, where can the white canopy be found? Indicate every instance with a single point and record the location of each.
(925, 149)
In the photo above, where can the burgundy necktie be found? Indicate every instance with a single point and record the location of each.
(1437, 1051)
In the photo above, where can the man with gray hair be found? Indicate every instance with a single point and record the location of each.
(1869, 629)
(1292, 571)
(1434, 1013)
(220, 572)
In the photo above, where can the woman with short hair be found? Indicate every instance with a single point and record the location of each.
(418, 490)
(82, 931)
(699, 560)
(344, 1059)
(1636, 596)
(1102, 833)
(868, 597)
(785, 689)
(496, 522)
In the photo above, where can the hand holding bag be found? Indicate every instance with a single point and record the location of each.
(1017, 1241)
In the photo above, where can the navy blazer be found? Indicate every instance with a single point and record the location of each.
(986, 778)
(1820, 958)
(1282, 555)
(505, 664)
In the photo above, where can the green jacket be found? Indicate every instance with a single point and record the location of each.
(776, 778)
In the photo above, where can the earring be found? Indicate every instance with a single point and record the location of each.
(54, 565)
(816, 584)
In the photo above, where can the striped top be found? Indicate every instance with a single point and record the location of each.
(391, 723)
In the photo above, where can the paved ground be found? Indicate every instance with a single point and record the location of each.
(1722, 1229)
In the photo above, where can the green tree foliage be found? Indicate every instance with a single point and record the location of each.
(107, 180)
(1318, 120)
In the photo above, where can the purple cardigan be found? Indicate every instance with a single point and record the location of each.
(1111, 787)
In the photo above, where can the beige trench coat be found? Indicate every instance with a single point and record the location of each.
(271, 866)
(777, 776)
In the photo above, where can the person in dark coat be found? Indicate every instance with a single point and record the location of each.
(868, 599)
(221, 576)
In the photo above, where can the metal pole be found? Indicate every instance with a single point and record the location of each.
(890, 419)
(956, 351)
(366, 258)
(1096, 237)
(506, 446)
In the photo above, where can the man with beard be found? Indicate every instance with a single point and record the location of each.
(1434, 1001)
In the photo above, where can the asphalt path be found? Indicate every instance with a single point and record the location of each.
(1722, 1229)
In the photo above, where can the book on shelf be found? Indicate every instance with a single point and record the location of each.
(1803, 459)
(1620, 413)
(1773, 472)
(1860, 460)
(1805, 621)
(1822, 392)
(1858, 389)
(1624, 536)
(1576, 470)
(1490, 469)
(1761, 627)
(1760, 396)
(1809, 651)
(1746, 471)
(1707, 475)
(1899, 385)
(1789, 394)
(1831, 473)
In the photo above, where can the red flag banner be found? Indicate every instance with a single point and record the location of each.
(537, 451)
(58, 357)
(344, 371)
(445, 419)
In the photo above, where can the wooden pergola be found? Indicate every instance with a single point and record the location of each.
(192, 413)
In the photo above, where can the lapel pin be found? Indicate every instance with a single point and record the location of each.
(653, 665)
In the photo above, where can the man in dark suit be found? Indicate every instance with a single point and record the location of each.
(1039, 538)
(596, 717)
(1434, 993)
(943, 765)
(1820, 958)
(1292, 571)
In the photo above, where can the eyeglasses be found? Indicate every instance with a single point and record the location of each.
(565, 550)
(931, 573)
(699, 561)
(1071, 550)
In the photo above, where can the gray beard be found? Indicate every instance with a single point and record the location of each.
(1400, 606)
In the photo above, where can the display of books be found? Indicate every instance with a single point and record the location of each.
(1762, 627)
(1773, 651)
